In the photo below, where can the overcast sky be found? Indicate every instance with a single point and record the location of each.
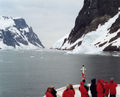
(50, 19)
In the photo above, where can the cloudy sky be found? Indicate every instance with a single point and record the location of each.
(50, 19)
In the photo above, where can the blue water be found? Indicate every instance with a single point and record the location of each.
(28, 73)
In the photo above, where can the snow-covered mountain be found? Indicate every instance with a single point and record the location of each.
(15, 33)
(97, 28)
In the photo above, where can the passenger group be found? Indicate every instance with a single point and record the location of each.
(102, 88)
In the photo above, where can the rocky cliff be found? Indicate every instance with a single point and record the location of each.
(97, 27)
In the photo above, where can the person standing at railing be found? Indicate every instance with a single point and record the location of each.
(106, 87)
(71, 88)
(100, 88)
(54, 92)
(112, 86)
(49, 92)
(68, 92)
(93, 88)
(84, 92)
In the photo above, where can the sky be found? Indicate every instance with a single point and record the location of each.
(50, 19)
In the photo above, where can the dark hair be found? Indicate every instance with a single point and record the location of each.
(71, 86)
(83, 80)
(111, 81)
(49, 89)
(93, 81)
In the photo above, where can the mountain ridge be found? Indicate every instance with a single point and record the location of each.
(15, 33)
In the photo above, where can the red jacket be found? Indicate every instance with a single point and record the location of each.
(73, 92)
(48, 94)
(68, 93)
(99, 89)
(112, 86)
(106, 87)
(83, 91)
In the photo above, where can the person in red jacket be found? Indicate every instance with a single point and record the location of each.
(112, 87)
(83, 90)
(106, 87)
(68, 92)
(100, 88)
(71, 87)
(54, 92)
(49, 92)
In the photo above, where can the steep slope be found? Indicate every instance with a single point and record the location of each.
(97, 28)
(15, 33)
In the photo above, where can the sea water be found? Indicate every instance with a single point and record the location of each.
(28, 73)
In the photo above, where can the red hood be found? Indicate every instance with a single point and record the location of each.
(81, 83)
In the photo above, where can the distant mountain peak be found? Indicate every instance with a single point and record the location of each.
(15, 33)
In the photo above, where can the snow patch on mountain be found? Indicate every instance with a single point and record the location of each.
(6, 22)
(101, 35)
(60, 42)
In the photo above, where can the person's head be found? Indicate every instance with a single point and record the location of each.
(105, 81)
(81, 83)
(68, 87)
(84, 80)
(93, 81)
(52, 87)
(71, 86)
(49, 89)
(100, 81)
(111, 79)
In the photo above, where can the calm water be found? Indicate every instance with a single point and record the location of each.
(29, 73)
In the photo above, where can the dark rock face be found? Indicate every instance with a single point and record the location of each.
(19, 33)
(115, 26)
(8, 39)
(20, 23)
(33, 38)
(111, 48)
(93, 13)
